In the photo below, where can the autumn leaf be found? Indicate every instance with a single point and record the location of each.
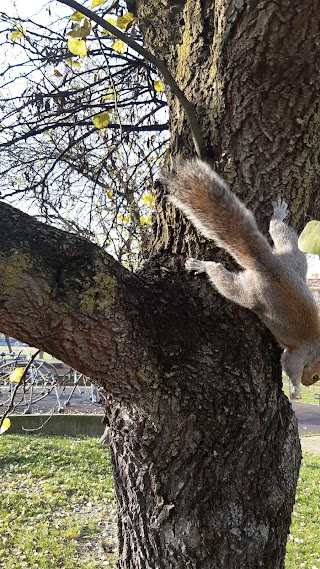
(113, 23)
(102, 120)
(77, 47)
(5, 425)
(81, 31)
(124, 218)
(96, 3)
(57, 73)
(158, 86)
(77, 17)
(125, 21)
(18, 34)
(110, 95)
(110, 193)
(119, 46)
(148, 200)
(73, 62)
(16, 375)
(145, 219)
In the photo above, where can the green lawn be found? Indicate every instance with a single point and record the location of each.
(303, 550)
(57, 505)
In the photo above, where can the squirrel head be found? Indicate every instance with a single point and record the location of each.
(311, 374)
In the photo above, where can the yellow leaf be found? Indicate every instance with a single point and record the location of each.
(77, 17)
(110, 95)
(110, 193)
(96, 3)
(73, 62)
(148, 200)
(119, 46)
(145, 219)
(113, 23)
(158, 85)
(125, 21)
(5, 425)
(81, 31)
(17, 34)
(101, 121)
(16, 375)
(124, 218)
(77, 47)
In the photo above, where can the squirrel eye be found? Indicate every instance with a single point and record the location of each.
(315, 377)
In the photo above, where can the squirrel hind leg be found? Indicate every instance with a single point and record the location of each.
(196, 266)
(232, 286)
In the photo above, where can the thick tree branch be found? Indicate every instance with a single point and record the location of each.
(65, 295)
(158, 63)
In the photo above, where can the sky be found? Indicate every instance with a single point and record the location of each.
(31, 8)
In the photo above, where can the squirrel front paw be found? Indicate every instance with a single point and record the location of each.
(195, 265)
(280, 209)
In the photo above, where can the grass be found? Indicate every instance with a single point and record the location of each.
(57, 505)
(303, 549)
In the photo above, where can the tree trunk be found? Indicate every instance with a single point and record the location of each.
(205, 445)
(206, 478)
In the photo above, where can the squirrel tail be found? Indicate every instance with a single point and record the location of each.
(218, 214)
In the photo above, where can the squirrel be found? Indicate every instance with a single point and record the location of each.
(273, 282)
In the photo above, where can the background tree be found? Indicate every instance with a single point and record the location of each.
(204, 443)
(82, 134)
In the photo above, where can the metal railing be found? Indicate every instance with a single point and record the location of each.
(42, 386)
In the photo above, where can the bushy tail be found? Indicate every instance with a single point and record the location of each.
(218, 214)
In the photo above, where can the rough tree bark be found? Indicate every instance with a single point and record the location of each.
(204, 443)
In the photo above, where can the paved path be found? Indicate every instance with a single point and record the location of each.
(308, 417)
(309, 423)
